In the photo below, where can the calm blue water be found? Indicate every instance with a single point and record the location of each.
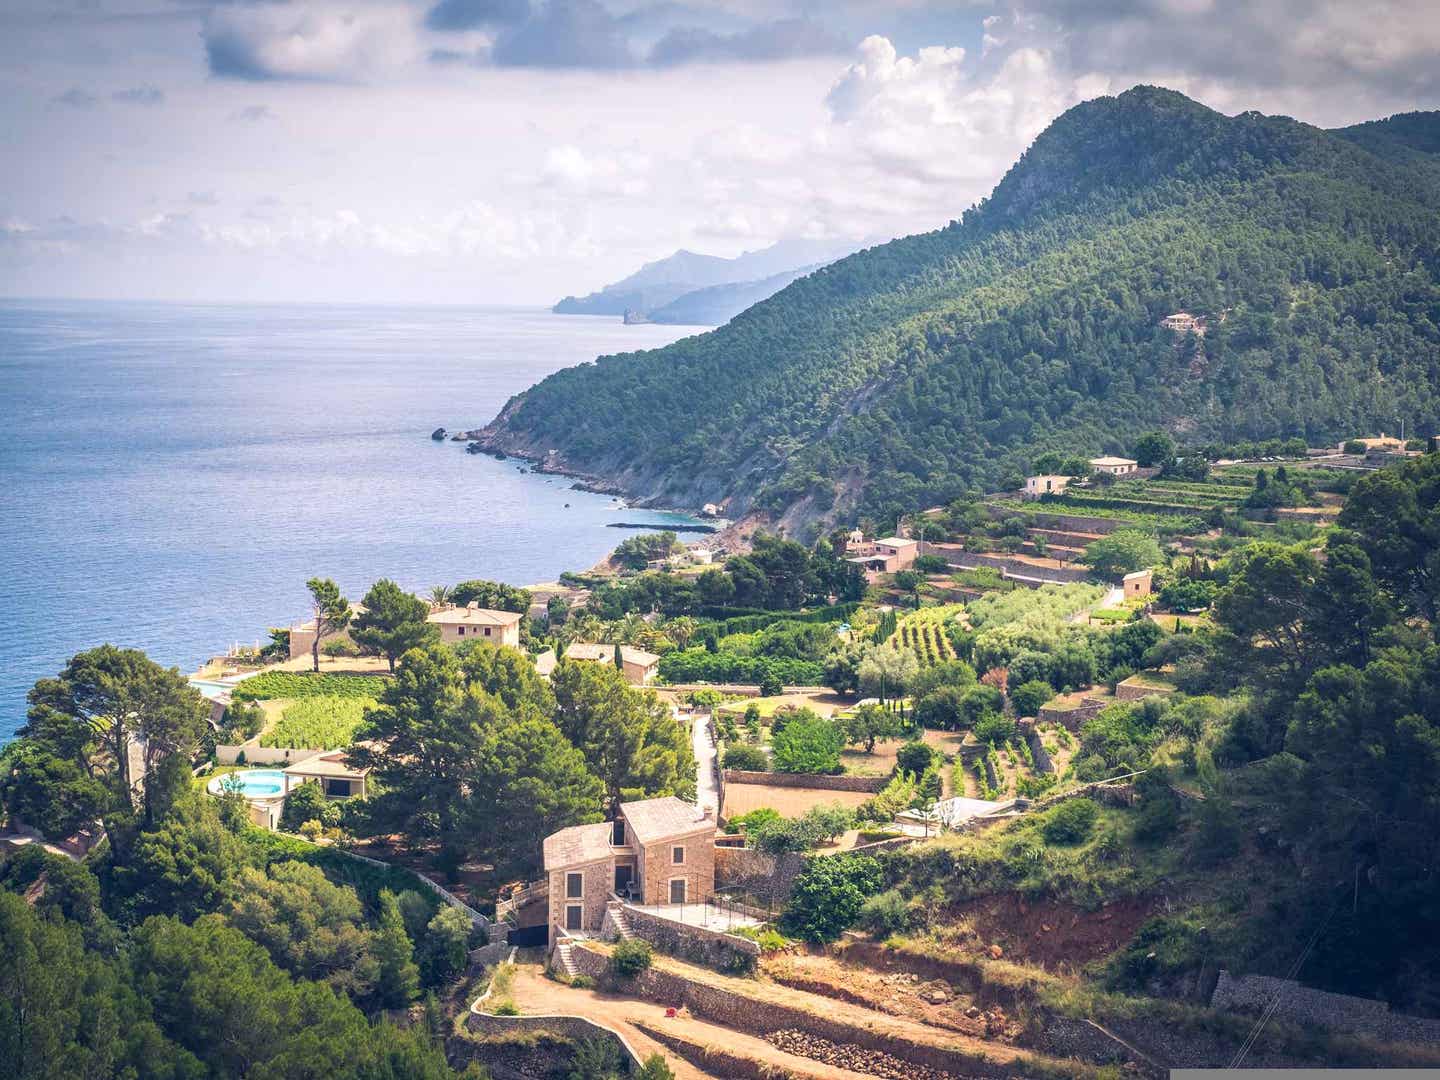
(170, 475)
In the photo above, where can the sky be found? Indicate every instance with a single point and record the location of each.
(515, 151)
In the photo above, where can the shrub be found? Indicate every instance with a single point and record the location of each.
(306, 803)
(978, 703)
(1030, 697)
(761, 815)
(995, 728)
(1070, 822)
(630, 958)
(914, 758)
(828, 895)
(582, 982)
(808, 744)
(748, 758)
(940, 709)
(886, 914)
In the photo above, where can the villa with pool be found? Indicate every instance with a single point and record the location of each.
(265, 789)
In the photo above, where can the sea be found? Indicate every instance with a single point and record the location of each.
(172, 474)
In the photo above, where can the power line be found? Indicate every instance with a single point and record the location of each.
(1274, 1005)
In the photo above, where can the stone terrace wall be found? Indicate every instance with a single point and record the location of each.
(818, 781)
(768, 877)
(1334, 1012)
(1049, 519)
(956, 555)
(570, 1028)
(744, 1013)
(1088, 709)
(727, 952)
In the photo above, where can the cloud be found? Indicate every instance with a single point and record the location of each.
(76, 98)
(310, 41)
(252, 114)
(778, 40)
(452, 15)
(566, 34)
(575, 172)
(1285, 50)
(139, 95)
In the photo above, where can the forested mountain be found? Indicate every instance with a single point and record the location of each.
(912, 372)
(719, 304)
(683, 275)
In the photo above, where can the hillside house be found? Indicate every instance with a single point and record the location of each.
(1137, 584)
(1182, 322)
(1115, 466)
(461, 624)
(1049, 484)
(640, 667)
(302, 634)
(883, 556)
(657, 851)
(333, 772)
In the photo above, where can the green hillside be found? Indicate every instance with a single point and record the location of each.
(909, 373)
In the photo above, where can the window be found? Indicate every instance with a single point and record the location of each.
(487, 631)
(677, 890)
(574, 886)
(460, 631)
(574, 917)
(677, 855)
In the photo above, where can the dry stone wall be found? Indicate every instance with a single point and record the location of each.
(818, 781)
(1334, 1012)
(699, 944)
(742, 1012)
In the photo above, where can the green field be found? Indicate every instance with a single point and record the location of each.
(323, 721)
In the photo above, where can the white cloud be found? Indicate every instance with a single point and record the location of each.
(310, 40)
(573, 170)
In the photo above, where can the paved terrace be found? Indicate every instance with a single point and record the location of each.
(707, 916)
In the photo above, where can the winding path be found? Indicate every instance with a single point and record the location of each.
(707, 788)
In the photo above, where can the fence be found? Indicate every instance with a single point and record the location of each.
(227, 754)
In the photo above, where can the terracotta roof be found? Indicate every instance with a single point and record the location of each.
(577, 845)
(545, 662)
(476, 616)
(657, 819)
(586, 650)
(1111, 461)
(895, 541)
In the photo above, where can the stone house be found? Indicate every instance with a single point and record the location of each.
(657, 851)
(1115, 466)
(1137, 584)
(1048, 484)
(461, 624)
(640, 667)
(882, 556)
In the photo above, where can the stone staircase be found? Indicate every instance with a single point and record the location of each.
(565, 957)
(621, 923)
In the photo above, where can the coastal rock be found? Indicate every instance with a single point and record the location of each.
(438, 434)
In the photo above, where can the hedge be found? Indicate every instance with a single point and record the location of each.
(299, 684)
(698, 665)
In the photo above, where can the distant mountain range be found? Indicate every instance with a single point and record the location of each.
(942, 364)
(707, 290)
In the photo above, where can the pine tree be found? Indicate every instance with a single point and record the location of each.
(399, 977)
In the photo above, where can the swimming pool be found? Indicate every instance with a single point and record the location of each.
(252, 783)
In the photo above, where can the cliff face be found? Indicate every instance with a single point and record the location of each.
(937, 364)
